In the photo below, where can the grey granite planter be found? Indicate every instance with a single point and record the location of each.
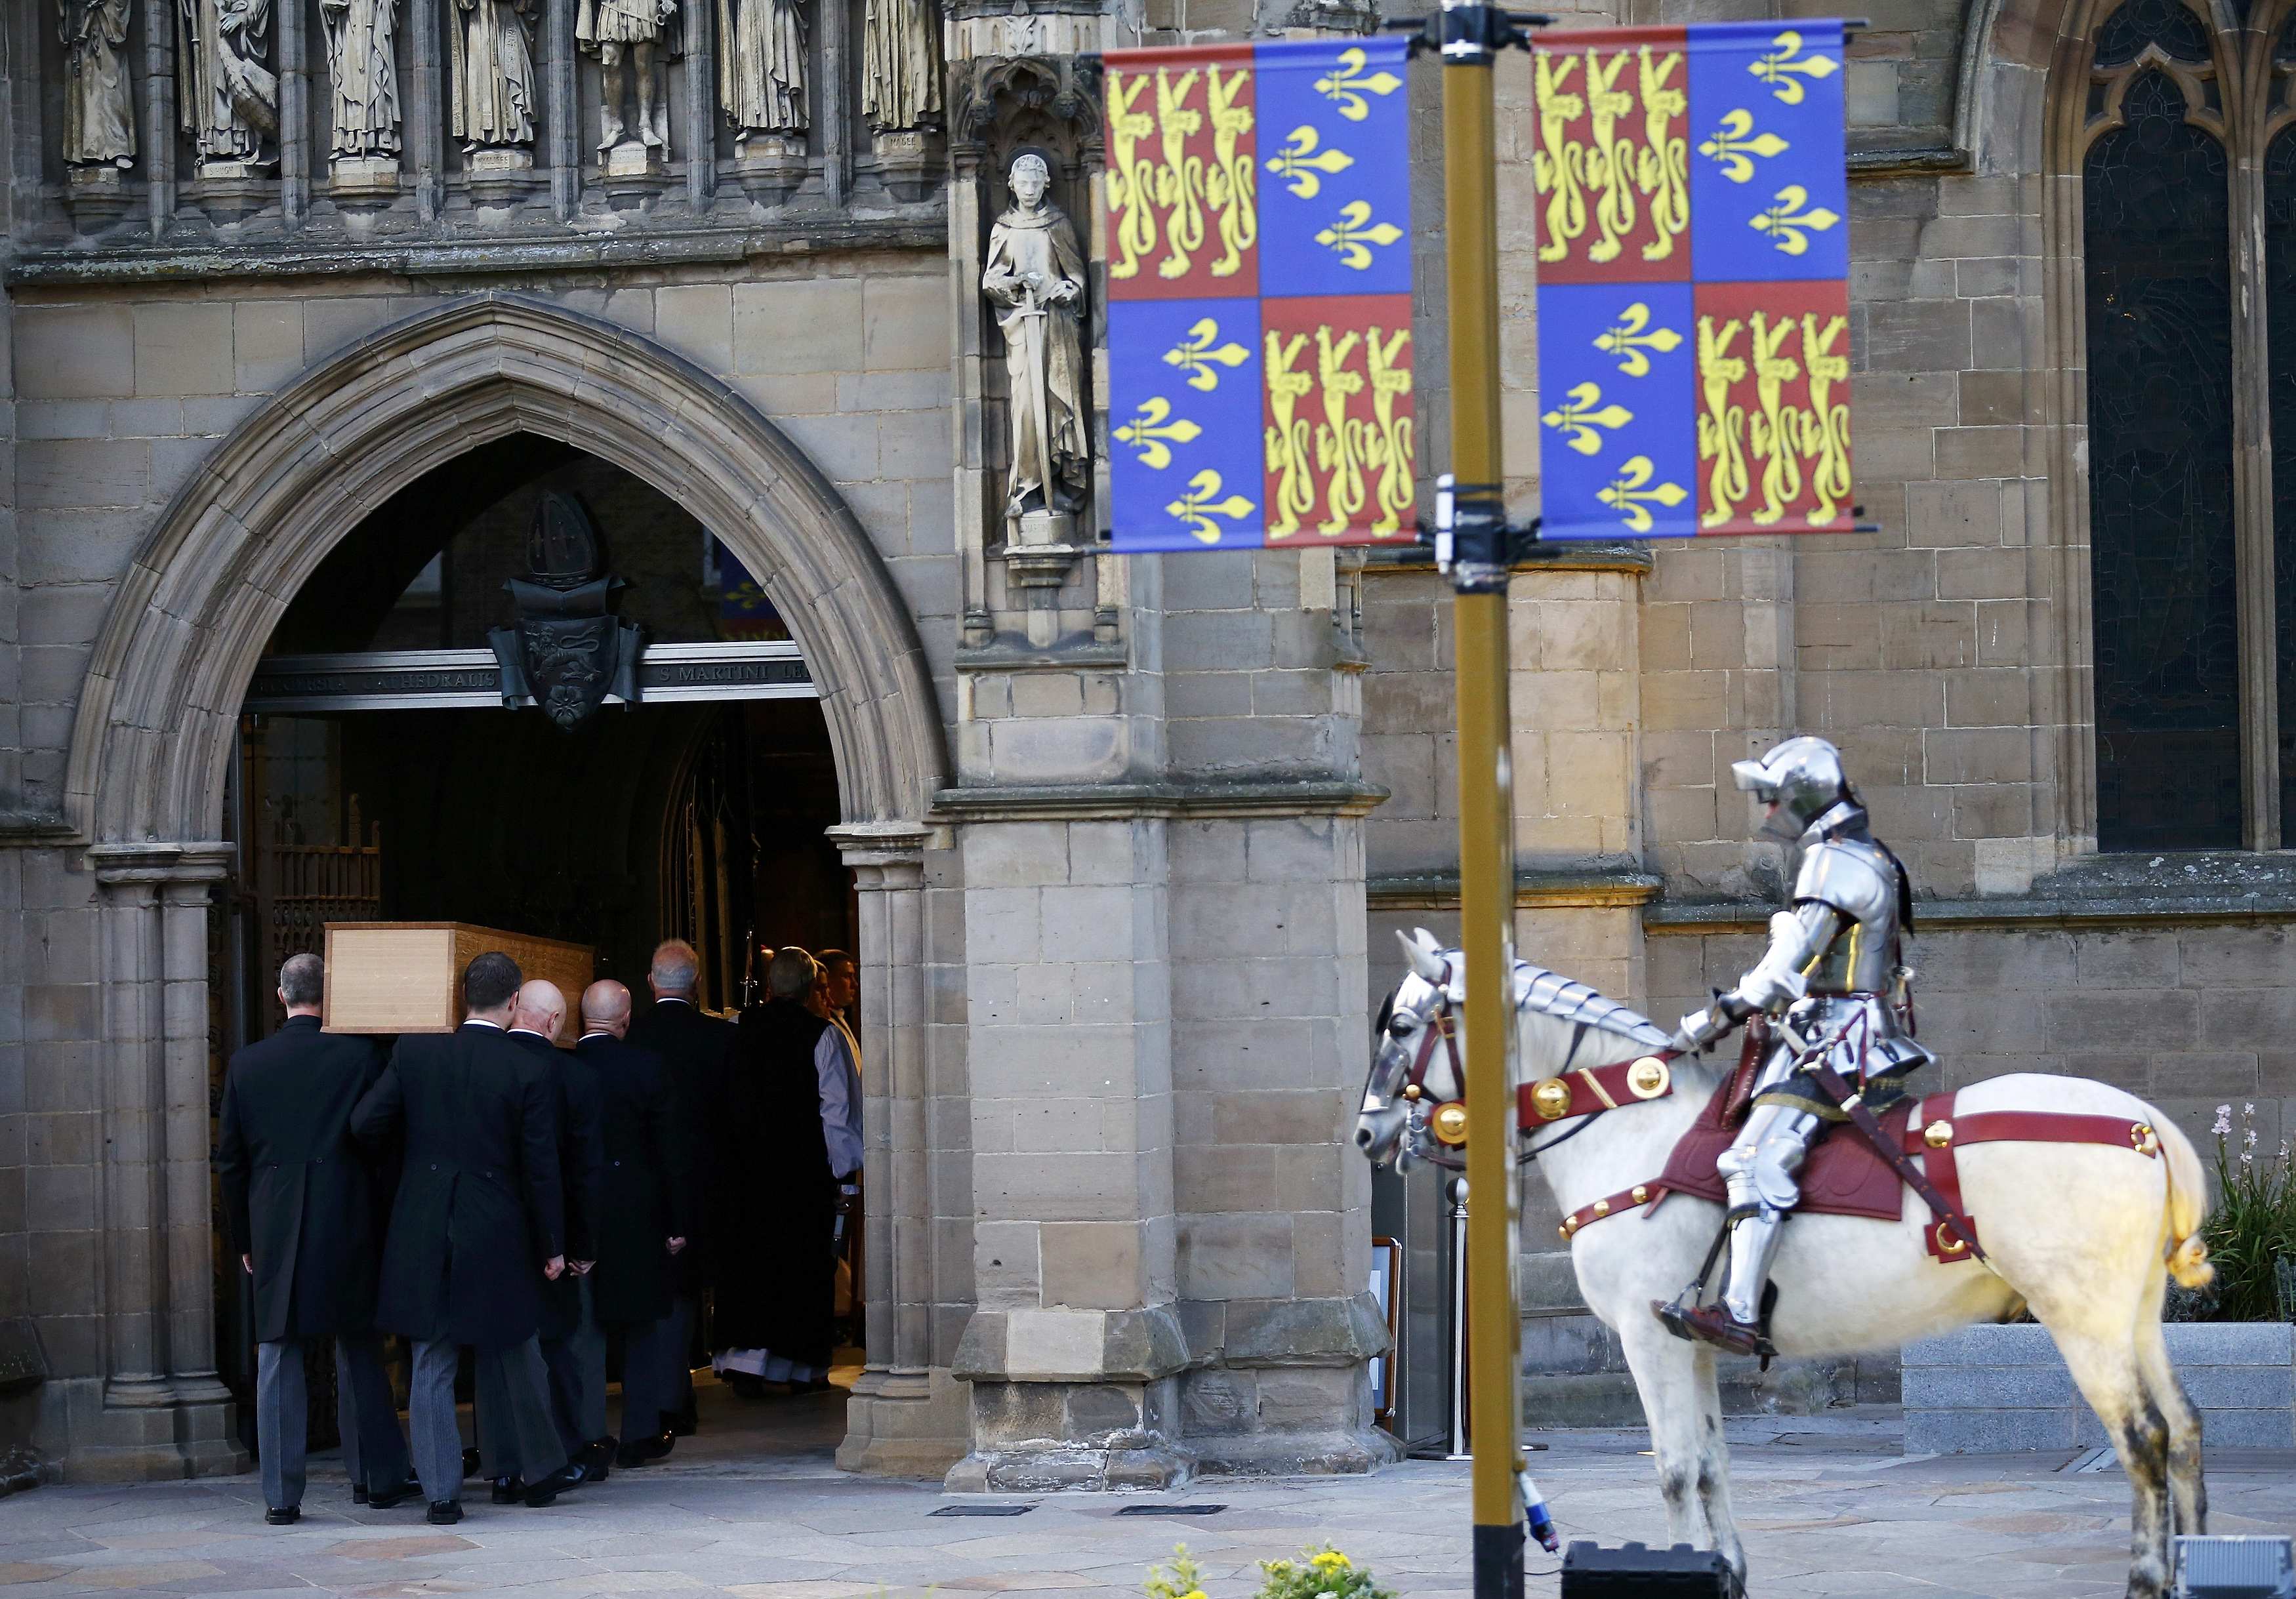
(1994, 1389)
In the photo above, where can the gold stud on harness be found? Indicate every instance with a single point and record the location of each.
(1601, 1207)
(1449, 1123)
(1938, 1134)
(1551, 1098)
(2144, 1140)
(1648, 1077)
(1642, 1193)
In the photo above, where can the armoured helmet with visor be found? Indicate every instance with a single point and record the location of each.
(1800, 779)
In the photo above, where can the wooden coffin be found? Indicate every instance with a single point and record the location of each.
(407, 977)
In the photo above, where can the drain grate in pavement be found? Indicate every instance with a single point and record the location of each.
(1171, 1510)
(983, 1510)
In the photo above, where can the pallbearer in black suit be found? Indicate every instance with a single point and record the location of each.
(301, 1200)
(642, 1223)
(699, 1049)
(477, 1229)
(572, 1347)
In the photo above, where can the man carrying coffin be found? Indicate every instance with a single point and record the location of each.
(476, 1230)
(301, 1204)
(642, 1228)
(697, 1048)
(572, 1349)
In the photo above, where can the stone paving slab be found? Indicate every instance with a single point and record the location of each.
(1827, 1508)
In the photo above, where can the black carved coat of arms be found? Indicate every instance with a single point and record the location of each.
(566, 651)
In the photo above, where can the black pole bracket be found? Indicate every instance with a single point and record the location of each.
(1473, 543)
(1468, 35)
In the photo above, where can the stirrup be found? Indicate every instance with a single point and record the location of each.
(1714, 1325)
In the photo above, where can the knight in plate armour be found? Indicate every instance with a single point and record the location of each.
(1834, 968)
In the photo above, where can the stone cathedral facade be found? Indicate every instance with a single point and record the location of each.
(296, 292)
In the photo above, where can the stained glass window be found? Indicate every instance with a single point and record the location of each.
(2161, 466)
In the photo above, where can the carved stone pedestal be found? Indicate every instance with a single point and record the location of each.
(910, 160)
(363, 182)
(499, 178)
(231, 190)
(770, 167)
(1046, 550)
(98, 196)
(635, 173)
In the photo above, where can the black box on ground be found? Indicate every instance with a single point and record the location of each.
(1590, 1571)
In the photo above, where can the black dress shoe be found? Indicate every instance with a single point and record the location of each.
(445, 1513)
(410, 1489)
(598, 1457)
(545, 1491)
(684, 1424)
(509, 1490)
(282, 1517)
(469, 1462)
(645, 1451)
(359, 1493)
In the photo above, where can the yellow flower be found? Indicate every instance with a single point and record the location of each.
(1331, 1560)
(1193, 1594)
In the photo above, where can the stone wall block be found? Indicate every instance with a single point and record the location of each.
(75, 351)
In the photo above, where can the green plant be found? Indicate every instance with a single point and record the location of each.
(1318, 1573)
(2253, 1224)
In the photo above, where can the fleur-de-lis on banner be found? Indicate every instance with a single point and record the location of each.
(1630, 489)
(1354, 231)
(1151, 427)
(1194, 355)
(1730, 146)
(1581, 413)
(1788, 225)
(1626, 339)
(1300, 162)
(1346, 85)
(1785, 66)
(1197, 507)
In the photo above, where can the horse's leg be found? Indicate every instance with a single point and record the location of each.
(1666, 1378)
(2188, 1494)
(2104, 1367)
(1714, 1465)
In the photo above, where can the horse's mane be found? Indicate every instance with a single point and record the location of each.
(1566, 999)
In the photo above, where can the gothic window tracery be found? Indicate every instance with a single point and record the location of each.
(2188, 170)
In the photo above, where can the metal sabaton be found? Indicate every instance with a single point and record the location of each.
(469, 679)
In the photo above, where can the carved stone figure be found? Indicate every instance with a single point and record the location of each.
(363, 68)
(230, 98)
(1035, 274)
(99, 119)
(901, 64)
(494, 83)
(641, 34)
(761, 68)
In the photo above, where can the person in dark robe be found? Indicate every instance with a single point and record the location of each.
(299, 1197)
(776, 1305)
(642, 1228)
(697, 1048)
(477, 1229)
(573, 1349)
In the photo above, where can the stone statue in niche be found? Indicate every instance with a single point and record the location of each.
(625, 35)
(1034, 274)
(900, 65)
(229, 97)
(491, 47)
(761, 69)
(363, 73)
(99, 116)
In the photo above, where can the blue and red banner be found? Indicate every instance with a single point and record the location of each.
(1694, 263)
(1259, 349)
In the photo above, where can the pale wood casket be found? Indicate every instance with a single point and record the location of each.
(407, 977)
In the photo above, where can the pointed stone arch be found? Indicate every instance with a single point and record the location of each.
(153, 737)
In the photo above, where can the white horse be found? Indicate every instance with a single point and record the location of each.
(2084, 1235)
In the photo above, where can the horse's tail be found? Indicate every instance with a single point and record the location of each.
(2188, 1203)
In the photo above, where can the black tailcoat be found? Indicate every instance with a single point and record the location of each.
(580, 1162)
(646, 1200)
(479, 1208)
(295, 1187)
(698, 1050)
(778, 1278)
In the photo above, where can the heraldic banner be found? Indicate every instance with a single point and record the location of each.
(1259, 296)
(1693, 300)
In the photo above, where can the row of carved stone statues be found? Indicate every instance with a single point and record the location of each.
(230, 96)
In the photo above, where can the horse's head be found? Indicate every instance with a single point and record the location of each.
(1414, 1041)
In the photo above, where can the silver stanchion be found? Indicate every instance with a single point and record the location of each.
(1459, 1449)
